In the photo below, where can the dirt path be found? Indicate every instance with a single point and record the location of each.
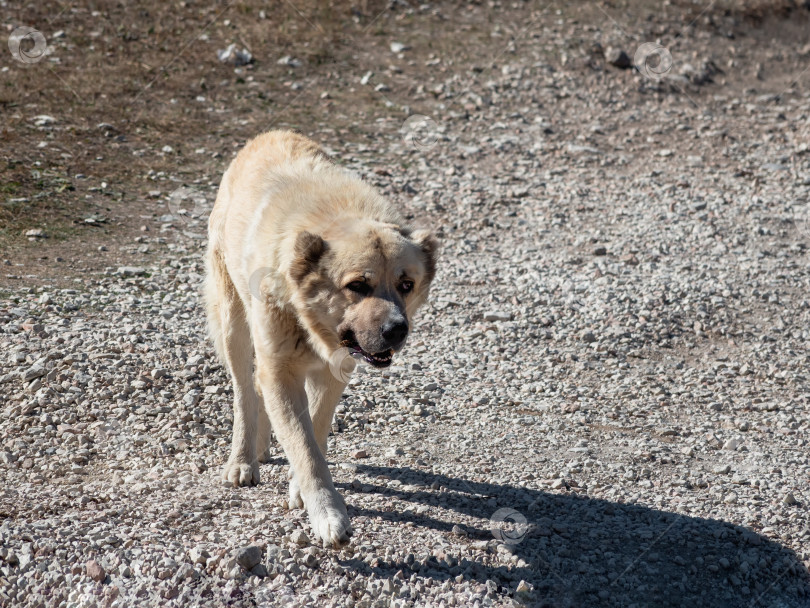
(606, 403)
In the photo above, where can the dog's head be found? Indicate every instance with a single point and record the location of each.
(358, 285)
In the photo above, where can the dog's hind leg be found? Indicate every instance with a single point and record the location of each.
(228, 322)
(264, 431)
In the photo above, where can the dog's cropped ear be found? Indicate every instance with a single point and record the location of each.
(309, 249)
(430, 250)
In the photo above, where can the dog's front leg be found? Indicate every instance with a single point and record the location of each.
(282, 387)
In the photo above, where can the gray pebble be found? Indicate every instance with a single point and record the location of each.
(247, 557)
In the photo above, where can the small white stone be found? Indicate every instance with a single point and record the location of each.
(131, 271)
(732, 444)
(300, 538)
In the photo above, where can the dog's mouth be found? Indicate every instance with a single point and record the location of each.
(381, 359)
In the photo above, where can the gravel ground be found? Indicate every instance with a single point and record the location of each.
(606, 403)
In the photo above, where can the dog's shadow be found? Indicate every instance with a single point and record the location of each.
(580, 551)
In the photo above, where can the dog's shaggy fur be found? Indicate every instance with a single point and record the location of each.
(306, 265)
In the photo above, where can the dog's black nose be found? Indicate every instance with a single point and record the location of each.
(395, 333)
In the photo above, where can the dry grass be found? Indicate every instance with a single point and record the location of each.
(123, 66)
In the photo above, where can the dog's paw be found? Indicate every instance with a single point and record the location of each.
(241, 473)
(295, 502)
(328, 517)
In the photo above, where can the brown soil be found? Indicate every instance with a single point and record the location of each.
(122, 83)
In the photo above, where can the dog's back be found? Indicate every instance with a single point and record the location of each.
(247, 176)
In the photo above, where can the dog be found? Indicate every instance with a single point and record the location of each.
(308, 269)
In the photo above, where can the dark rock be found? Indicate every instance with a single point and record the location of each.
(618, 58)
(248, 557)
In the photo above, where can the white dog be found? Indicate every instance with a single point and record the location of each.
(305, 263)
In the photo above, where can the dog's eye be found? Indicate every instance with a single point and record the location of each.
(359, 287)
(406, 287)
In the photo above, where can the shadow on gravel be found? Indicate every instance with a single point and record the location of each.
(581, 551)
